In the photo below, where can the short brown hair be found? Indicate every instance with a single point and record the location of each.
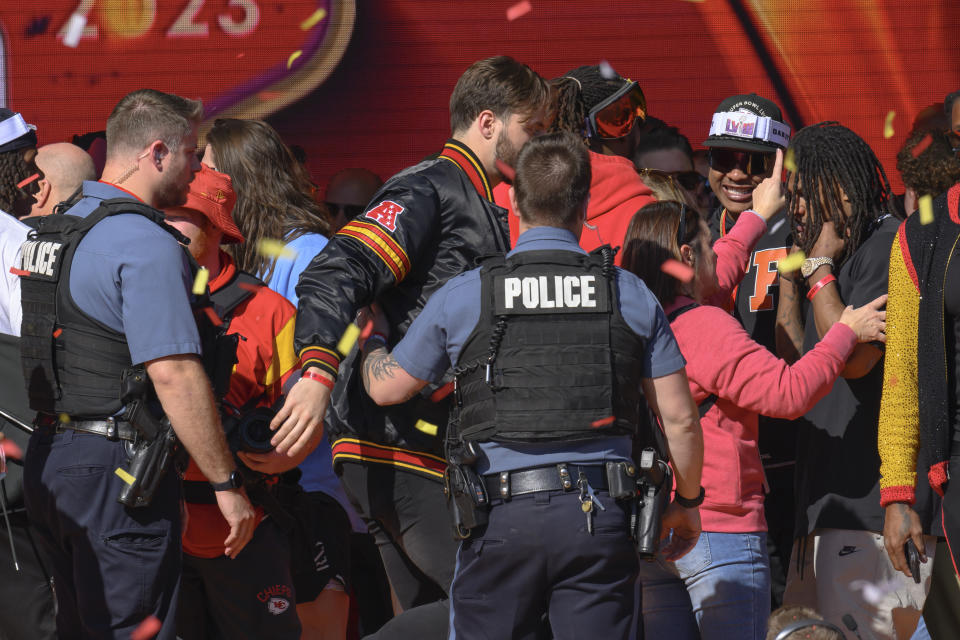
(553, 179)
(500, 84)
(784, 616)
(932, 171)
(651, 240)
(146, 115)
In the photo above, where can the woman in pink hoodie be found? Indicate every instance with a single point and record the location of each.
(721, 589)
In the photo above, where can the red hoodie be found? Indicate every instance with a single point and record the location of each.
(748, 380)
(616, 193)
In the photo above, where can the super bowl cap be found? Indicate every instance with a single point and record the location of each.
(211, 193)
(15, 133)
(749, 123)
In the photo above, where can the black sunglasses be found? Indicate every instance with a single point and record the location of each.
(349, 211)
(751, 163)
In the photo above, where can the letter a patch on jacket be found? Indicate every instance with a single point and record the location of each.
(386, 214)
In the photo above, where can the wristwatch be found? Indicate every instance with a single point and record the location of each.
(811, 264)
(235, 481)
(690, 503)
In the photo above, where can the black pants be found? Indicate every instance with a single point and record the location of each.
(535, 557)
(112, 566)
(407, 515)
(26, 603)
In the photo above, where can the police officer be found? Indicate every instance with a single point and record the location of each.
(105, 288)
(551, 347)
(427, 224)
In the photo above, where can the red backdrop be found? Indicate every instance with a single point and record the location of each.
(377, 97)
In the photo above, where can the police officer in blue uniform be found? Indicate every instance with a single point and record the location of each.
(106, 315)
(551, 348)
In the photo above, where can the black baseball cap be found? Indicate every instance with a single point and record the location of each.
(748, 123)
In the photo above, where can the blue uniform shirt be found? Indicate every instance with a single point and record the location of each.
(133, 276)
(436, 337)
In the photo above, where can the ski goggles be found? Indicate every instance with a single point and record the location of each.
(752, 163)
(614, 117)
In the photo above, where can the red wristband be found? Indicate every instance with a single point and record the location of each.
(824, 281)
(319, 377)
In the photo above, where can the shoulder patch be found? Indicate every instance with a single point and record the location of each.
(385, 214)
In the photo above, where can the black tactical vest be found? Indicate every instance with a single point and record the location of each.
(551, 358)
(71, 362)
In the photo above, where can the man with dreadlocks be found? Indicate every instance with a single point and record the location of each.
(839, 209)
(606, 111)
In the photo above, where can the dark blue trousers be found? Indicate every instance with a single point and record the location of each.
(112, 566)
(535, 558)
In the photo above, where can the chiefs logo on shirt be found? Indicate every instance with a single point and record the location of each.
(385, 214)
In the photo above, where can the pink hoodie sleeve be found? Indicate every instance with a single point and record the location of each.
(727, 362)
(733, 254)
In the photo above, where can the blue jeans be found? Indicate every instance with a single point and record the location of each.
(721, 589)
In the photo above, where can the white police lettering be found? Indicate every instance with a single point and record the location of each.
(537, 292)
(39, 257)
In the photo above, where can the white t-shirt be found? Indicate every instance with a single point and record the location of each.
(13, 234)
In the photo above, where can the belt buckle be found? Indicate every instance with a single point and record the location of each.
(112, 430)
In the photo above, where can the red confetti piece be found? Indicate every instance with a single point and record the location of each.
(602, 422)
(366, 330)
(11, 449)
(249, 287)
(922, 145)
(57, 332)
(212, 315)
(893, 381)
(147, 629)
(505, 170)
(678, 270)
(519, 10)
(26, 181)
(19, 272)
(442, 392)
(240, 55)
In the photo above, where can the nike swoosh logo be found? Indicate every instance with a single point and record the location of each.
(847, 551)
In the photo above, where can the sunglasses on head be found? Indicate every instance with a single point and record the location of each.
(751, 163)
(615, 117)
(349, 211)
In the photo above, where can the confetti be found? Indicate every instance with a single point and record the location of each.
(875, 593)
(893, 381)
(212, 316)
(925, 206)
(921, 146)
(314, 18)
(442, 392)
(275, 249)
(64, 418)
(200, 282)
(3, 460)
(506, 170)
(519, 10)
(602, 422)
(147, 629)
(293, 57)
(240, 55)
(606, 70)
(71, 35)
(11, 449)
(348, 339)
(790, 161)
(791, 263)
(26, 181)
(426, 427)
(124, 475)
(888, 125)
(678, 270)
(249, 287)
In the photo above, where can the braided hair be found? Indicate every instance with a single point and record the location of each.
(577, 92)
(13, 170)
(829, 158)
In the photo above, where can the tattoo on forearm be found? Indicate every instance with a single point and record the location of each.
(379, 365)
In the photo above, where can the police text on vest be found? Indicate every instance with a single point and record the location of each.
(39, 257)
(546, 292)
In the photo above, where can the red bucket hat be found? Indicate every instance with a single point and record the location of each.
(211, 193)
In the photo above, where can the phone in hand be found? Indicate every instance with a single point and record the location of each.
(913, 559)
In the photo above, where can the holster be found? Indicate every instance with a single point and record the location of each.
(466, 495)
(653, 486)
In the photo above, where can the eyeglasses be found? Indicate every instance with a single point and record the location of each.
(752, 163)
(614, 117)
(349, 211)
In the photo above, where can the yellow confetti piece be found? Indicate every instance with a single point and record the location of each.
(426, 427)
(275, 249)
(348, 339)
(125, 476)
(791, 263)
(925, 205)
(293, 57)
(200, 282)
(314, 18)
(888, 125)
(790, 161)
(64, 418)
